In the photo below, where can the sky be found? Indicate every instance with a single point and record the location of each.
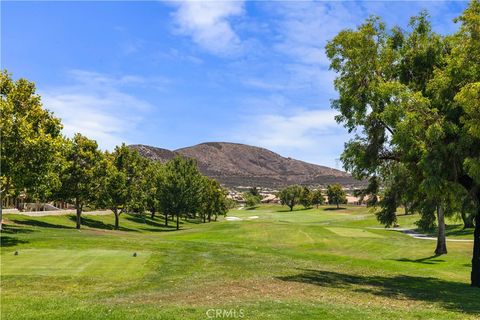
(175, 74)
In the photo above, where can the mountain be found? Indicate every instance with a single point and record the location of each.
(234, 165)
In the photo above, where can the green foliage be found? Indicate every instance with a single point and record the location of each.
(152, 177)
(180, 188)
(414, 97)
(254, 191)
(31, 141)
(290, 196)
(113, 193)
(213, 200)
(81, 173)
(251, 200)
(336, 195)
(317, 197)
(306, 198)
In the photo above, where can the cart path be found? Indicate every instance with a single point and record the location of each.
(416, 235)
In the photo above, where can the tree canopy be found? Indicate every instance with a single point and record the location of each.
(336, 195)
(290, 196)
(411, 98)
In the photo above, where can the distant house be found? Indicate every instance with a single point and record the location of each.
(354, 200)
(270, 198)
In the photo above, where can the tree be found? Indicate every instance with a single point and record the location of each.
(254, 191)
(80, 176)
(290, 196)
(123, 183)
(306, 198)
(251, 200)
(336, 195)
(179, 191)
(213, 199)
(133, 166)
(113, 193)
(152, 179)
(30, 142)
(317, 198)
(414, 95)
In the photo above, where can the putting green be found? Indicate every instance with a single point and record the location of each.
(353, 232)
(61, 262)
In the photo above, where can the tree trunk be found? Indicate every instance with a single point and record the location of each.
(1, 210)
(338, 206)
(152, 213)
(166, 219)
(115, 212)
(476, 252)
(468, 220)
(209, 217)
(79, 213)
(441, 240)
(178, 226)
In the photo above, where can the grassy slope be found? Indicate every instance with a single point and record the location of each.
(284, 265)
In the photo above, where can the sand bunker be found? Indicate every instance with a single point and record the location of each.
(233, 219)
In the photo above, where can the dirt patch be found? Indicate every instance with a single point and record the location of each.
(234, 292)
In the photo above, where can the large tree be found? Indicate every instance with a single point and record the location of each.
(179, 191)
(30, 142)
(151, 179)
(113, 193)
(290, 196)
(412, 97)
(80, 176)
(306, 199)
(133, 166)
(336, 195)
(213, 200)
(317, 197)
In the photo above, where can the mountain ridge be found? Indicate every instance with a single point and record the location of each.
(237, 164)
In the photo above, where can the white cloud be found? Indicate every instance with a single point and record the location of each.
(306, 27)
(309, 135)
(207, 22)
(296, 131)
(96, 106)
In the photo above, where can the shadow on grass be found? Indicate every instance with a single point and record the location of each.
(6, 241)
(162, 230)
(151, 222)
(335, 209)
(294, 209)
(96, 224)
(15, 229)
(251, 208)
(450, 231)
(448, 294)
(427, 260)
(457, 230)
(42, 224)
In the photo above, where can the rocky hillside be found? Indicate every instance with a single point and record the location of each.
(235, 165)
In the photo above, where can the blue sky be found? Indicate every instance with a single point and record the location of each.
(174, 74)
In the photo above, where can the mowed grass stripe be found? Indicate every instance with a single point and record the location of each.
(353, 232)
(61, 262)
(284, 265)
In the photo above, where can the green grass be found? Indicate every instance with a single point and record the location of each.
(305, 264)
